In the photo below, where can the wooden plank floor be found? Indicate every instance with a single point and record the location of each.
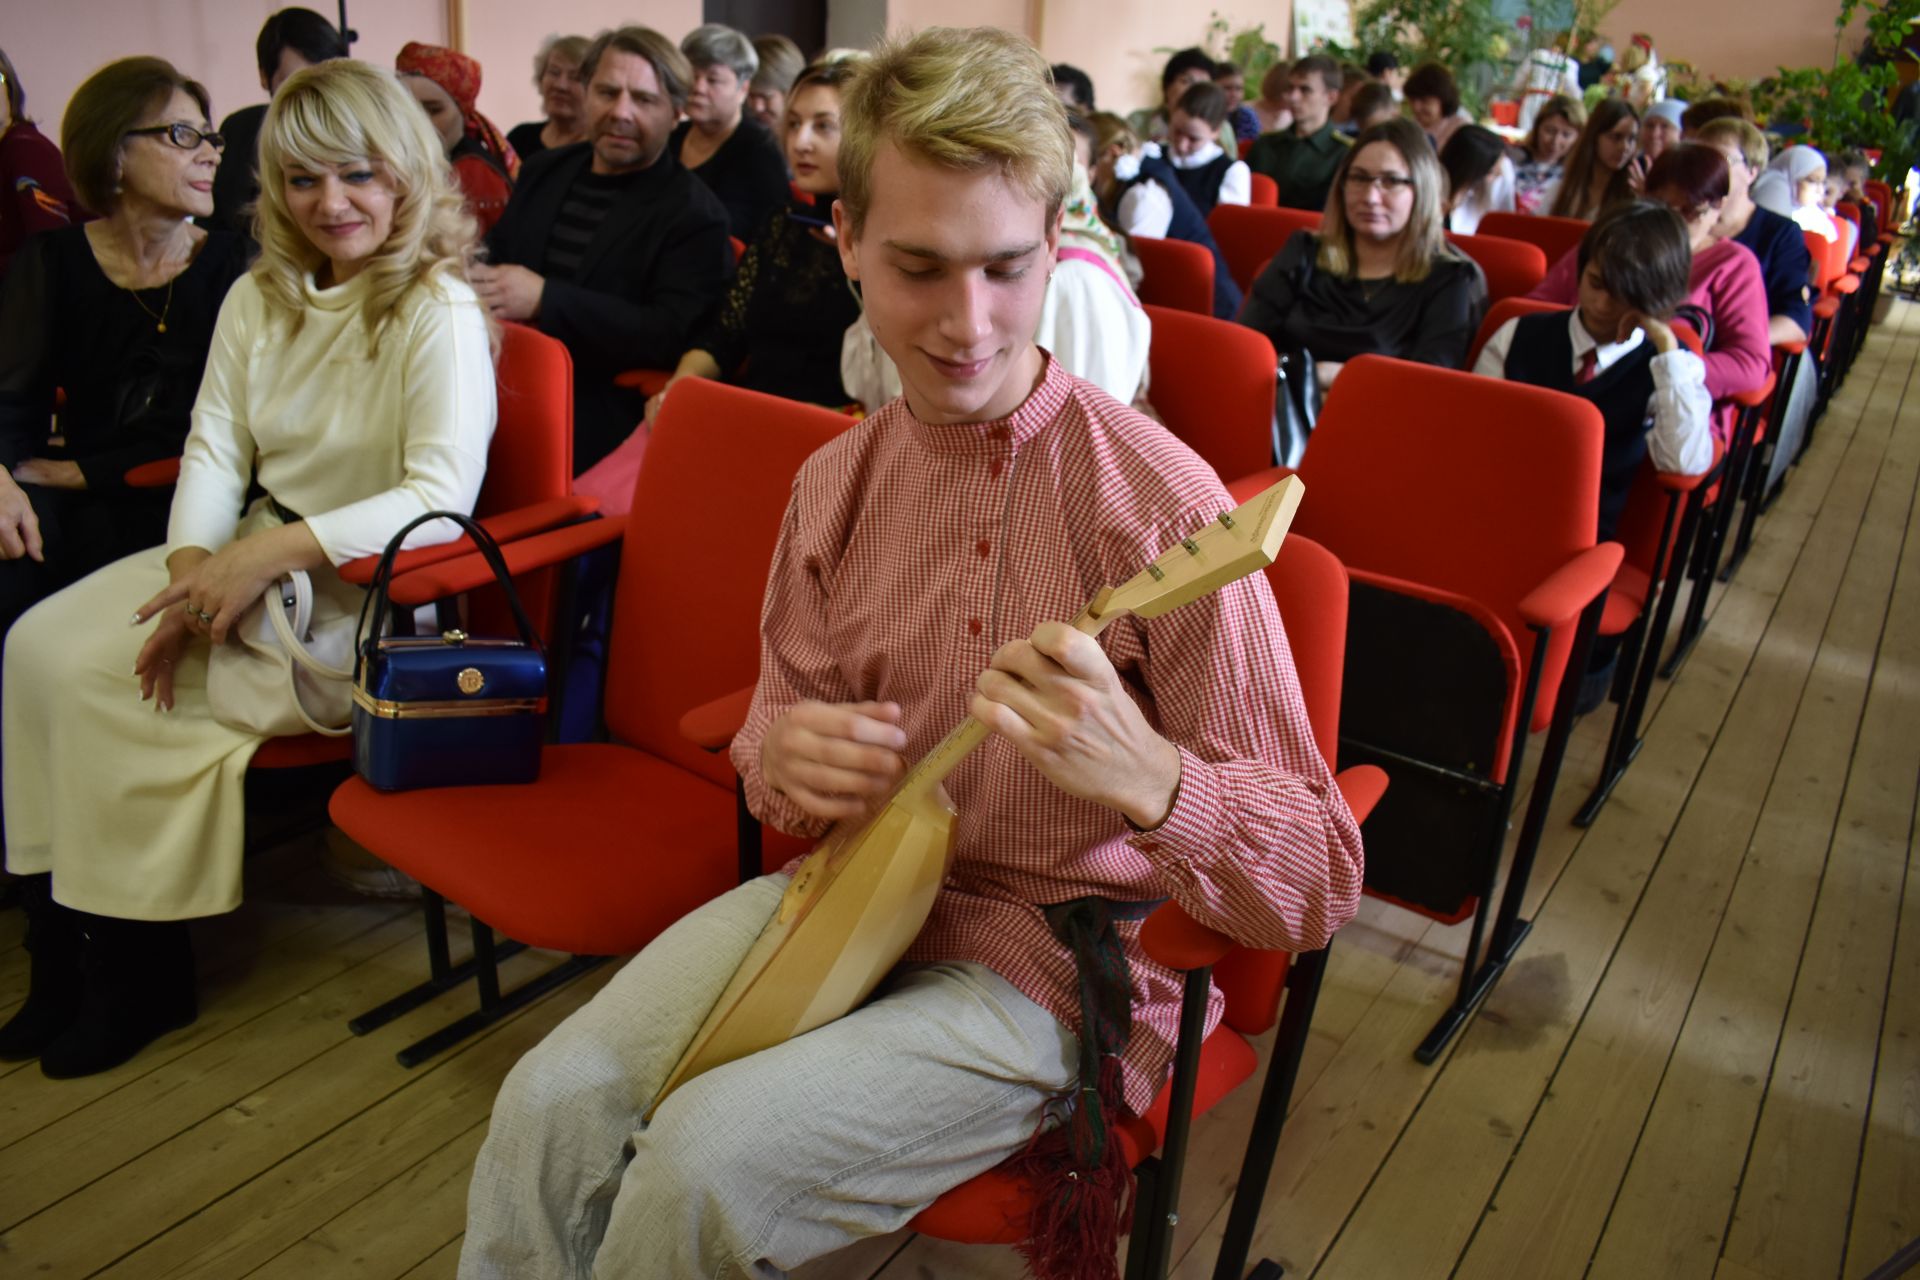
(1704, 1063)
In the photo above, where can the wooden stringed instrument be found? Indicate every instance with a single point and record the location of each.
(862, 896)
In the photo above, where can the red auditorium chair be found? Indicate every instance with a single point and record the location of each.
(1264, 192)
(1512, 268)
(1175, 273)
(1555, 237)
(1833, 285)
(1310, 587)
(1498, 314)
(617, 839)
(1212, 383)
(1248, 236)
(1464, 509)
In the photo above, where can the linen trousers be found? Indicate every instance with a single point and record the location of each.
(765, 1163)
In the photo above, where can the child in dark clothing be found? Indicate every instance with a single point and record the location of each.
(1618, 351)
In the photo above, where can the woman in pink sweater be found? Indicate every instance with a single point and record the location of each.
(1726, 281)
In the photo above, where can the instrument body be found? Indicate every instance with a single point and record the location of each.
(859, 900)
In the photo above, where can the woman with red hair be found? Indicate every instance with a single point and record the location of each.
(447, 86)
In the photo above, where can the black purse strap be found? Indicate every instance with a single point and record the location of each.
(379, 603)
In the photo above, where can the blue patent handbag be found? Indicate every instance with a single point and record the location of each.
(450, 710)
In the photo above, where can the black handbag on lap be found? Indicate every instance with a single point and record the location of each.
(449, 710)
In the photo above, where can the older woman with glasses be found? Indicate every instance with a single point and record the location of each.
(729, 150)
(1379, 277)
(118, 314)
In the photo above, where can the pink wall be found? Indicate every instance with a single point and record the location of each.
(505, 34)
(1743, 39)
(54, 47)
(212, 41)
(1115, 41)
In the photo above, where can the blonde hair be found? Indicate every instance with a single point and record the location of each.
(1742, 134)
(964, 99)
(1424, 240)
(334, 113)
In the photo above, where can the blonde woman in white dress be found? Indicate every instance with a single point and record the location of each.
(350, 375)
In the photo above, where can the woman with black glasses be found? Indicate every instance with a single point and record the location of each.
(1379, 277)
(117, 315)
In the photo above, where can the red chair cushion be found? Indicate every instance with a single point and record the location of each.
(298, 752)
(1176, 274)
(1625, 599)
(1248, 235)
(619, 844)
(992, 1208)
(1512, 267)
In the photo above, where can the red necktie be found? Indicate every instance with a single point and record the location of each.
(1589, 365)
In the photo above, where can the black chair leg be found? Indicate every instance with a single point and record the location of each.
(444, 976)
(1155, 1219)
(1638, 661)
(1270, 1118)
(1509, 930)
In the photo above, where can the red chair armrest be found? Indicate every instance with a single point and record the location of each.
(1859, 265)
(1792, 347)
(651, 381)
(1847, 284)
(1573, 586)
(712, 725)
(1180, 942)
(508, 526)
(543, 550)
(1362, 785)
(1252, 486)
(1758, 396)
(1827, 308)
(152, 475)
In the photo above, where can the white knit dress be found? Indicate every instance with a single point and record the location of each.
(138, 814)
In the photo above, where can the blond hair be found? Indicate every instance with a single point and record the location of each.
(971, 99)
(1742, 134)
(339, 112)
(1424, 241)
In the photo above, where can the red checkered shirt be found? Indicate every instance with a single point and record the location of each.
(910, 552)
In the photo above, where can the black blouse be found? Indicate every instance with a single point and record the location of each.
(1433, 321)
(785, 315)
(525, 139)
(748, 174)
(130, 388)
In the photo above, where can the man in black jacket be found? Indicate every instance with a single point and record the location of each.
(289, 40)
(610, 245)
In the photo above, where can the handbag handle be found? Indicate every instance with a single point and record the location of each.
(377, 596)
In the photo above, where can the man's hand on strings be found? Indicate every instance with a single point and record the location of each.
(1059, 701)
(835, 760)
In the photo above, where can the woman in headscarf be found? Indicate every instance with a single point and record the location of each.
(1793, 187)
(447, 86)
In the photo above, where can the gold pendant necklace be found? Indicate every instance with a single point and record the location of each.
(159, 321)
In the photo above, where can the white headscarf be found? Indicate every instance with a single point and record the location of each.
(1779, 187)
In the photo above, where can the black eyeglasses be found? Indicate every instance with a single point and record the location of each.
(1360, 180)
(183, 136)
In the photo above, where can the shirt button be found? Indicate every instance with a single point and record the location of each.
(1000, 433)
(973, 626)
(984, 547)
(1147, 846)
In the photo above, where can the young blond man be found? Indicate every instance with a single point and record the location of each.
(945, 535)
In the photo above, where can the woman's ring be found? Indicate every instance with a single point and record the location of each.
(201, 614)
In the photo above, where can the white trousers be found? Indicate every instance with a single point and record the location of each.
(766, 1163)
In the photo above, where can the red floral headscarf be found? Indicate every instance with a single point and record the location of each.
(459, 75)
